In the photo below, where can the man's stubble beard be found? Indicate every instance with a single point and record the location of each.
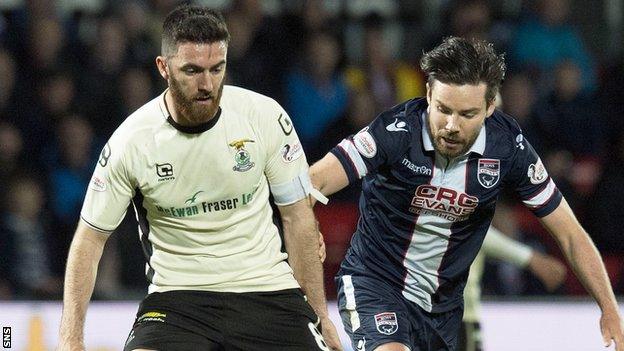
(189, 109)
(436, 139)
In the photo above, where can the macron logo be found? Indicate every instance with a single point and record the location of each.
(397, 126)
(424, 170)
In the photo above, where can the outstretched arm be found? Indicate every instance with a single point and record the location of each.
(328, 176)
(302, 244)
(84, 256)
(550, 271)
(587, 264)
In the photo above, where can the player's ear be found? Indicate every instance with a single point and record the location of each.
(428, 93)
(491, 106)
(161, 64)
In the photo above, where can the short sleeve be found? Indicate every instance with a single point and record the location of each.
(531, 181)
(110, 190)
(286, 168)
(382, 142)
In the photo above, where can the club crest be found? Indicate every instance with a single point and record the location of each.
(488, 172)
(387, 323)
(242, 156)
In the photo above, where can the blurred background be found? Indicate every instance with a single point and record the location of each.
(72, 70)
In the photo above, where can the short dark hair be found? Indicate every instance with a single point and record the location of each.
(465, 61)
(192, 24)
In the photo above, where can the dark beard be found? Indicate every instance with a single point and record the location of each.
(436, 142)
(189, 109)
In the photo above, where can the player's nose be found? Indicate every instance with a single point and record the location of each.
(204, 82)
(452, 123)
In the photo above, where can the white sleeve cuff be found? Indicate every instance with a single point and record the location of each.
(291, 191)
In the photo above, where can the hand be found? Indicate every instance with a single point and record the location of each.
(322, 251)
(330, 334)
(549, 270)
(612, 328)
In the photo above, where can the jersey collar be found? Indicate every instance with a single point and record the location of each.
(478, 146)
(200, 128)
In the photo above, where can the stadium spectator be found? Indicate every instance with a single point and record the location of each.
(389, 79)
(11, 154)
(545, 39)
(24, 242)
(69, 161)
(606, 212)
(135, 89)
(316, 92)
(260, 53)
(99, 83)
(519, 96)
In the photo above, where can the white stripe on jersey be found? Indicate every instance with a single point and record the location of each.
(354, 156)
(430, 238)
(542, 197)
(350, 305)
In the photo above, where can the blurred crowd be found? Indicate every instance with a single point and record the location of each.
(72, 71)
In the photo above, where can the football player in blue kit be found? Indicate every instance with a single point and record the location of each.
(432, 169)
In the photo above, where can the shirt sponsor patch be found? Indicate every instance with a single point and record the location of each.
(537, 172)
(386, 323)
(291, 152)
(365, 143)
(97, 184)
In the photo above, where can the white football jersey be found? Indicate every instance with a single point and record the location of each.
(201, 193)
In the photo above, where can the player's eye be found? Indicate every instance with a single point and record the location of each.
(444, 110)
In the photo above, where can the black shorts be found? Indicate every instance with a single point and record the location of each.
(210, 321)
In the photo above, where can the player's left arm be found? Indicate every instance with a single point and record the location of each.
(302, 245)
(586, 262)
(286, 171)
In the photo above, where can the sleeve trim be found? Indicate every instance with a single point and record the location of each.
(94, 227)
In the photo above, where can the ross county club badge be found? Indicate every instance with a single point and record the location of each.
(488, 172)
(387, 323)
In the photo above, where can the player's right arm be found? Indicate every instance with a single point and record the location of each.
(82, 264)
(362, 153)
(108, 195)
(328, 176)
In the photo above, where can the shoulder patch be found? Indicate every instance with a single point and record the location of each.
(537, 172)
(365, 143)
(97, 183)
(291, 152)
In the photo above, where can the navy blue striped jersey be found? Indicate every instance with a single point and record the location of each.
(423, 217)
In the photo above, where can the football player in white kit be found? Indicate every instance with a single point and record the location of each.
(198, 163)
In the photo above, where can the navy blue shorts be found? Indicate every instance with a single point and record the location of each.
(375, 313)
